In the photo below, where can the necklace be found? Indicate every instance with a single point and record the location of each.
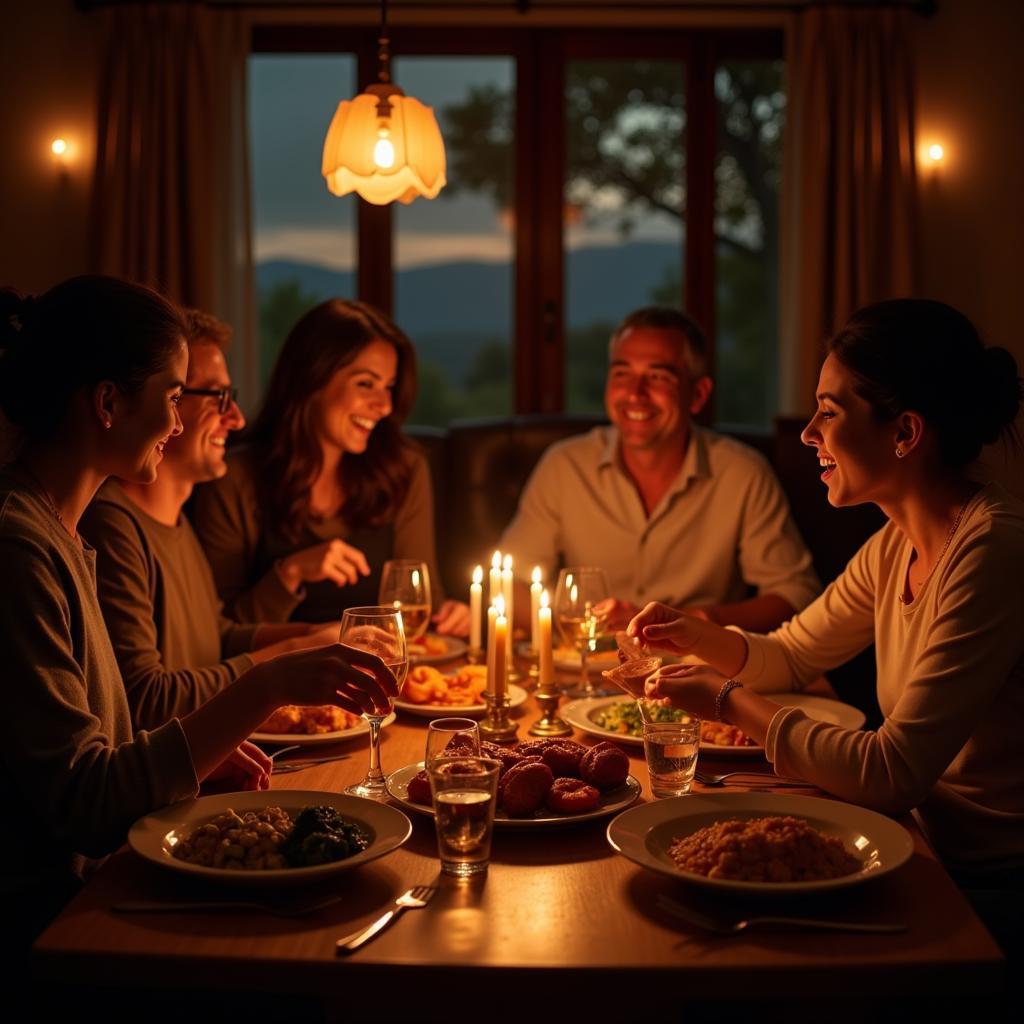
(945, 548)
(44, 494)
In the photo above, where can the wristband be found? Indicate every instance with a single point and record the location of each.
(727, 687)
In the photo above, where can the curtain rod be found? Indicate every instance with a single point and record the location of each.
(925, 8)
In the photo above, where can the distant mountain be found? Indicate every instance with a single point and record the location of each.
(476, 298)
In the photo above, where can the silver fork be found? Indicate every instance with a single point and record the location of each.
(418, 896)
(710, 924)
(284, 767)
(707, 779)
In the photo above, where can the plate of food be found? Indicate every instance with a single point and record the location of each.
(432, 648)
(264, 838)
(761, 843)
(619, 718)
(433, 694)
(536, 789)
(308, 726)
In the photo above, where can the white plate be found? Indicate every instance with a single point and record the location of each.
(644, 834)
(154, 836)
(456, 648)
(307, 739)
(517, 695)
(580, 713)
(611, 803)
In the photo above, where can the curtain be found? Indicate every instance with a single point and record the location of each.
(171, 205)
(849, 233)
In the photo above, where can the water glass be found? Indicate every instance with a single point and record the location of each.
(671, 750)
(451, 737)
(465, 792)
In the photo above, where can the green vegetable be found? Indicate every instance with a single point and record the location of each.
(320, 836)
(624, 717)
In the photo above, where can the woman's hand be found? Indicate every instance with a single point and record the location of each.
(690, 687)
(452, 619)
(333, 560)
(246, 767)
(661, 626)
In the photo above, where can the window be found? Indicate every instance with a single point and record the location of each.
(589, 173)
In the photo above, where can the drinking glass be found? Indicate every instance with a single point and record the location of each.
(450, 737)
(405, 584)
(631, 674)
(671, 750)
(580, 589)
(465, 792)
(379, 630)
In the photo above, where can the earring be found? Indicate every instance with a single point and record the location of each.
(899, 452)
(107, 424)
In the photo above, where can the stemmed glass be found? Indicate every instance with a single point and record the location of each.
(405, 584)
(379, 630)
(632, 674)
(580, 590)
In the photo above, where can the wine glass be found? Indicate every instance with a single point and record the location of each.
(405, 584)
(452, 737)
(580, 589)
(379, 630)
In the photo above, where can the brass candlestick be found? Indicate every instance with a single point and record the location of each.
(496, 726)
(549, 724)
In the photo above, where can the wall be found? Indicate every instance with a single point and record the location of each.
(47, 90)
(969, 79)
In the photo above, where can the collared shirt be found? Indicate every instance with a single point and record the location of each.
(722, 529)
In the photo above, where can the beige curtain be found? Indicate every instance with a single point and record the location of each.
(171, 200)
(849, 223)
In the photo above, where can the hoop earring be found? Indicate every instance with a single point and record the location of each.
(900, 453)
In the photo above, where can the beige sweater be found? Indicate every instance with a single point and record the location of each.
(242, 547)
(950, 685)
(75, 775)
(173, 646)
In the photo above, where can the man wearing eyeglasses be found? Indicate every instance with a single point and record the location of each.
(174, 647)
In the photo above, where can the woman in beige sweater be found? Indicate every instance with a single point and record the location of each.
(90, 374)
(906, 399)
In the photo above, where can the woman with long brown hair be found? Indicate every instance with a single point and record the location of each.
(327, 488)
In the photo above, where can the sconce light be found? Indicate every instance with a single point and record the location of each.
(59, 147)
(932, 154)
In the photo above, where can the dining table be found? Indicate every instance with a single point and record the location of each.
(559, 918)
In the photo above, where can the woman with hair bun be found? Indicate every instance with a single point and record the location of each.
(907, 397)
(326, 489)
(90, 377)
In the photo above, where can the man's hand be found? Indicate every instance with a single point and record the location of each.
(617, 613)
(452, 619)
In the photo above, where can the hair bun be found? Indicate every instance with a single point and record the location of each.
(999, 392)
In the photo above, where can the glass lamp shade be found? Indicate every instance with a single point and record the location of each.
(418, 168)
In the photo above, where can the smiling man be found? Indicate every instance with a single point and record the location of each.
(174, 647)
(671, 511)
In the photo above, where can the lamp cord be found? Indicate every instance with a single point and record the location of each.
(383, 69)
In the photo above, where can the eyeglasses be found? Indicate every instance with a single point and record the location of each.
(226, 397)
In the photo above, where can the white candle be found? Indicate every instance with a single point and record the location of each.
(535, 588)
(495, 576)
(544, 642)
(501, 646)
(476, 593)
(492, 614)
(507, 587)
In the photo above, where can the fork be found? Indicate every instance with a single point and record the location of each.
(284, 767)
(710, 924)
(416, 897)
(706, 779)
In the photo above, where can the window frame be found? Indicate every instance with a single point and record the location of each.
(538, 331)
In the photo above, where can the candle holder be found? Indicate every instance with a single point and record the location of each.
(475, 655)
(496, 726)
(549, 724)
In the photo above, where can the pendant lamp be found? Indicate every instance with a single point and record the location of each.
(384, 145)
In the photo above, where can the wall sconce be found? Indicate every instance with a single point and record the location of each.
(932, 155)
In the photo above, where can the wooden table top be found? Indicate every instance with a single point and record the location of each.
(557, 906)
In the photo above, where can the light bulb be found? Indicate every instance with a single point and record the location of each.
(384, 153)
(58, 147)
(936, 152)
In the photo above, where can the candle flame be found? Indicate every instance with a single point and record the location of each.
(499, 606)
(496, 560)
(544, 600)
(507, 563)
(478, 574)
(535, 576)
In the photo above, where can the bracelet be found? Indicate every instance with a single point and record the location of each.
(727, 687)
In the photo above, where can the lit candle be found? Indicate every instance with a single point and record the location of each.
(495, 576)
(476, 593)
(492, 614)
(500, 650)
(544, 642)
(507, 585)
(535, 589)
